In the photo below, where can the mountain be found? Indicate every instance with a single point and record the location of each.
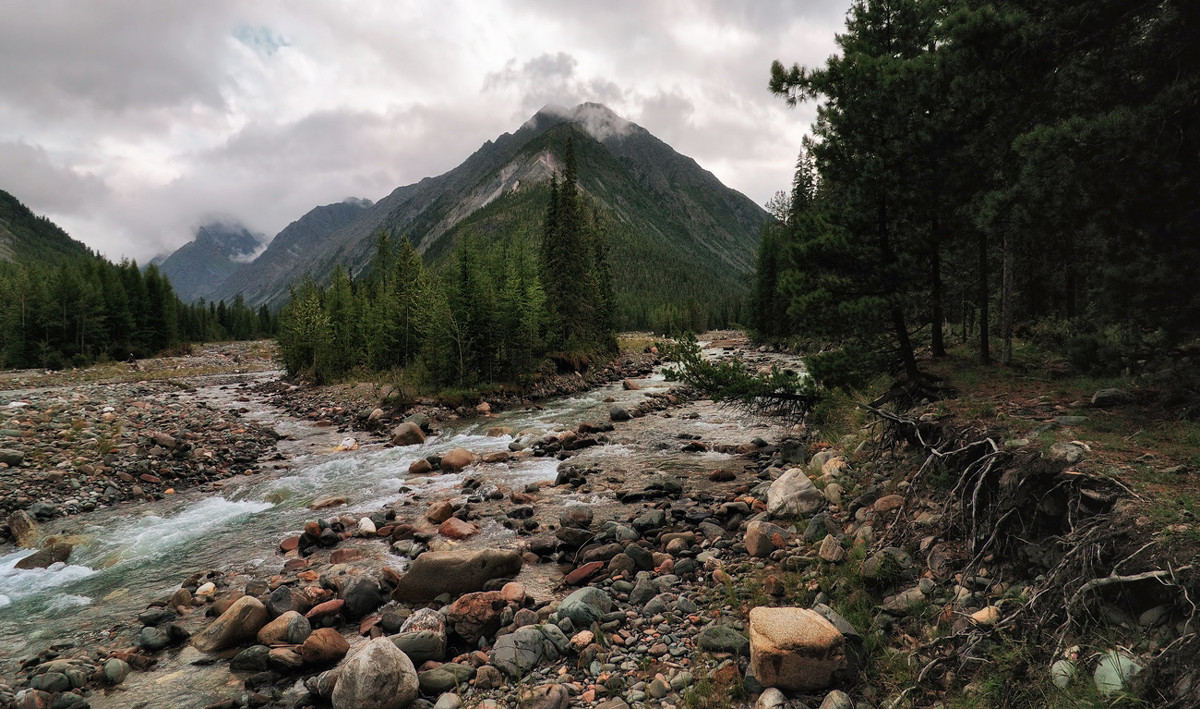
(676, 233)
(26, 238)
(200, 266)
(291, 248)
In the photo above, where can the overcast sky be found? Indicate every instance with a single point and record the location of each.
(129, 123)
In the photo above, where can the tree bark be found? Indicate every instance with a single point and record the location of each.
(1006, 296)
(937, 314)
(985, 353)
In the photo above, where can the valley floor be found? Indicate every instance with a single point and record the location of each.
(962, 553)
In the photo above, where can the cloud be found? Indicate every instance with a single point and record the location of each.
(28, 173)
(129, 122)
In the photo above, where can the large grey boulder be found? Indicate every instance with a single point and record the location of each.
(519, 653)
(454, 572)
(793, 495)
(379, 676)
(422, 636)
(585, 606)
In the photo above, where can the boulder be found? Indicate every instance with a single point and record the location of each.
(455, 572)
(1114, 670)
(290, 628)
(762, 538)
(455, 528)
(520, 652)
(456, 459)
(11, 457)
(324, 646)
(476, 615)
(421, 646)
(585, 606)
(831, 550)
(793, 495)
(721, 638)
(241, 622)
(420, 466)
(794, 649)
(407, 434)
(545, 696)
(1111, 397)
(439, 512)
(837, 699)
(362, 596)
(44, 557)
(618, 414)
(379, 676)
(24, 529)
(445, 678)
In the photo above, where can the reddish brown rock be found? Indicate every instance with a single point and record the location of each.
(583, 573)
(407, 434)
(289, 544)
(887, 503)
(241, 622)
(513, 592)
(420, 467)
(457, 459)
(762, 538)
(326, 503)
(439, 512)
(341, 556)
(476, 615)
(326, 609)
(455, 528)
(324, 646)
(290, 628)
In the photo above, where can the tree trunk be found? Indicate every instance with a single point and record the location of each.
(985, 353)
(1006, 296)
(906, 349)
(937, 314)
(898, 324)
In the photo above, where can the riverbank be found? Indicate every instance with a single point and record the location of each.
(633, 546)
(81, 440)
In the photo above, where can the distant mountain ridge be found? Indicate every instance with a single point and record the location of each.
(27, 239)
(676, 231)
(290, 248)
(198, 268)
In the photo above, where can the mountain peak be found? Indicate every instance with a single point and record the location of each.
(600, 121)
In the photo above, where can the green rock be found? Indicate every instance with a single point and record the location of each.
(720, 638)
(11, 457)
(1114, 670)
(1063, 673)
(585, 606)
(445, 678)
(116, 670)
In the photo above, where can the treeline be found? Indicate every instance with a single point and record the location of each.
(90, 309)
(993, 168)
(495, 312)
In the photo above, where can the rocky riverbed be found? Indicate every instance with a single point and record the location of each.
(626, 546)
